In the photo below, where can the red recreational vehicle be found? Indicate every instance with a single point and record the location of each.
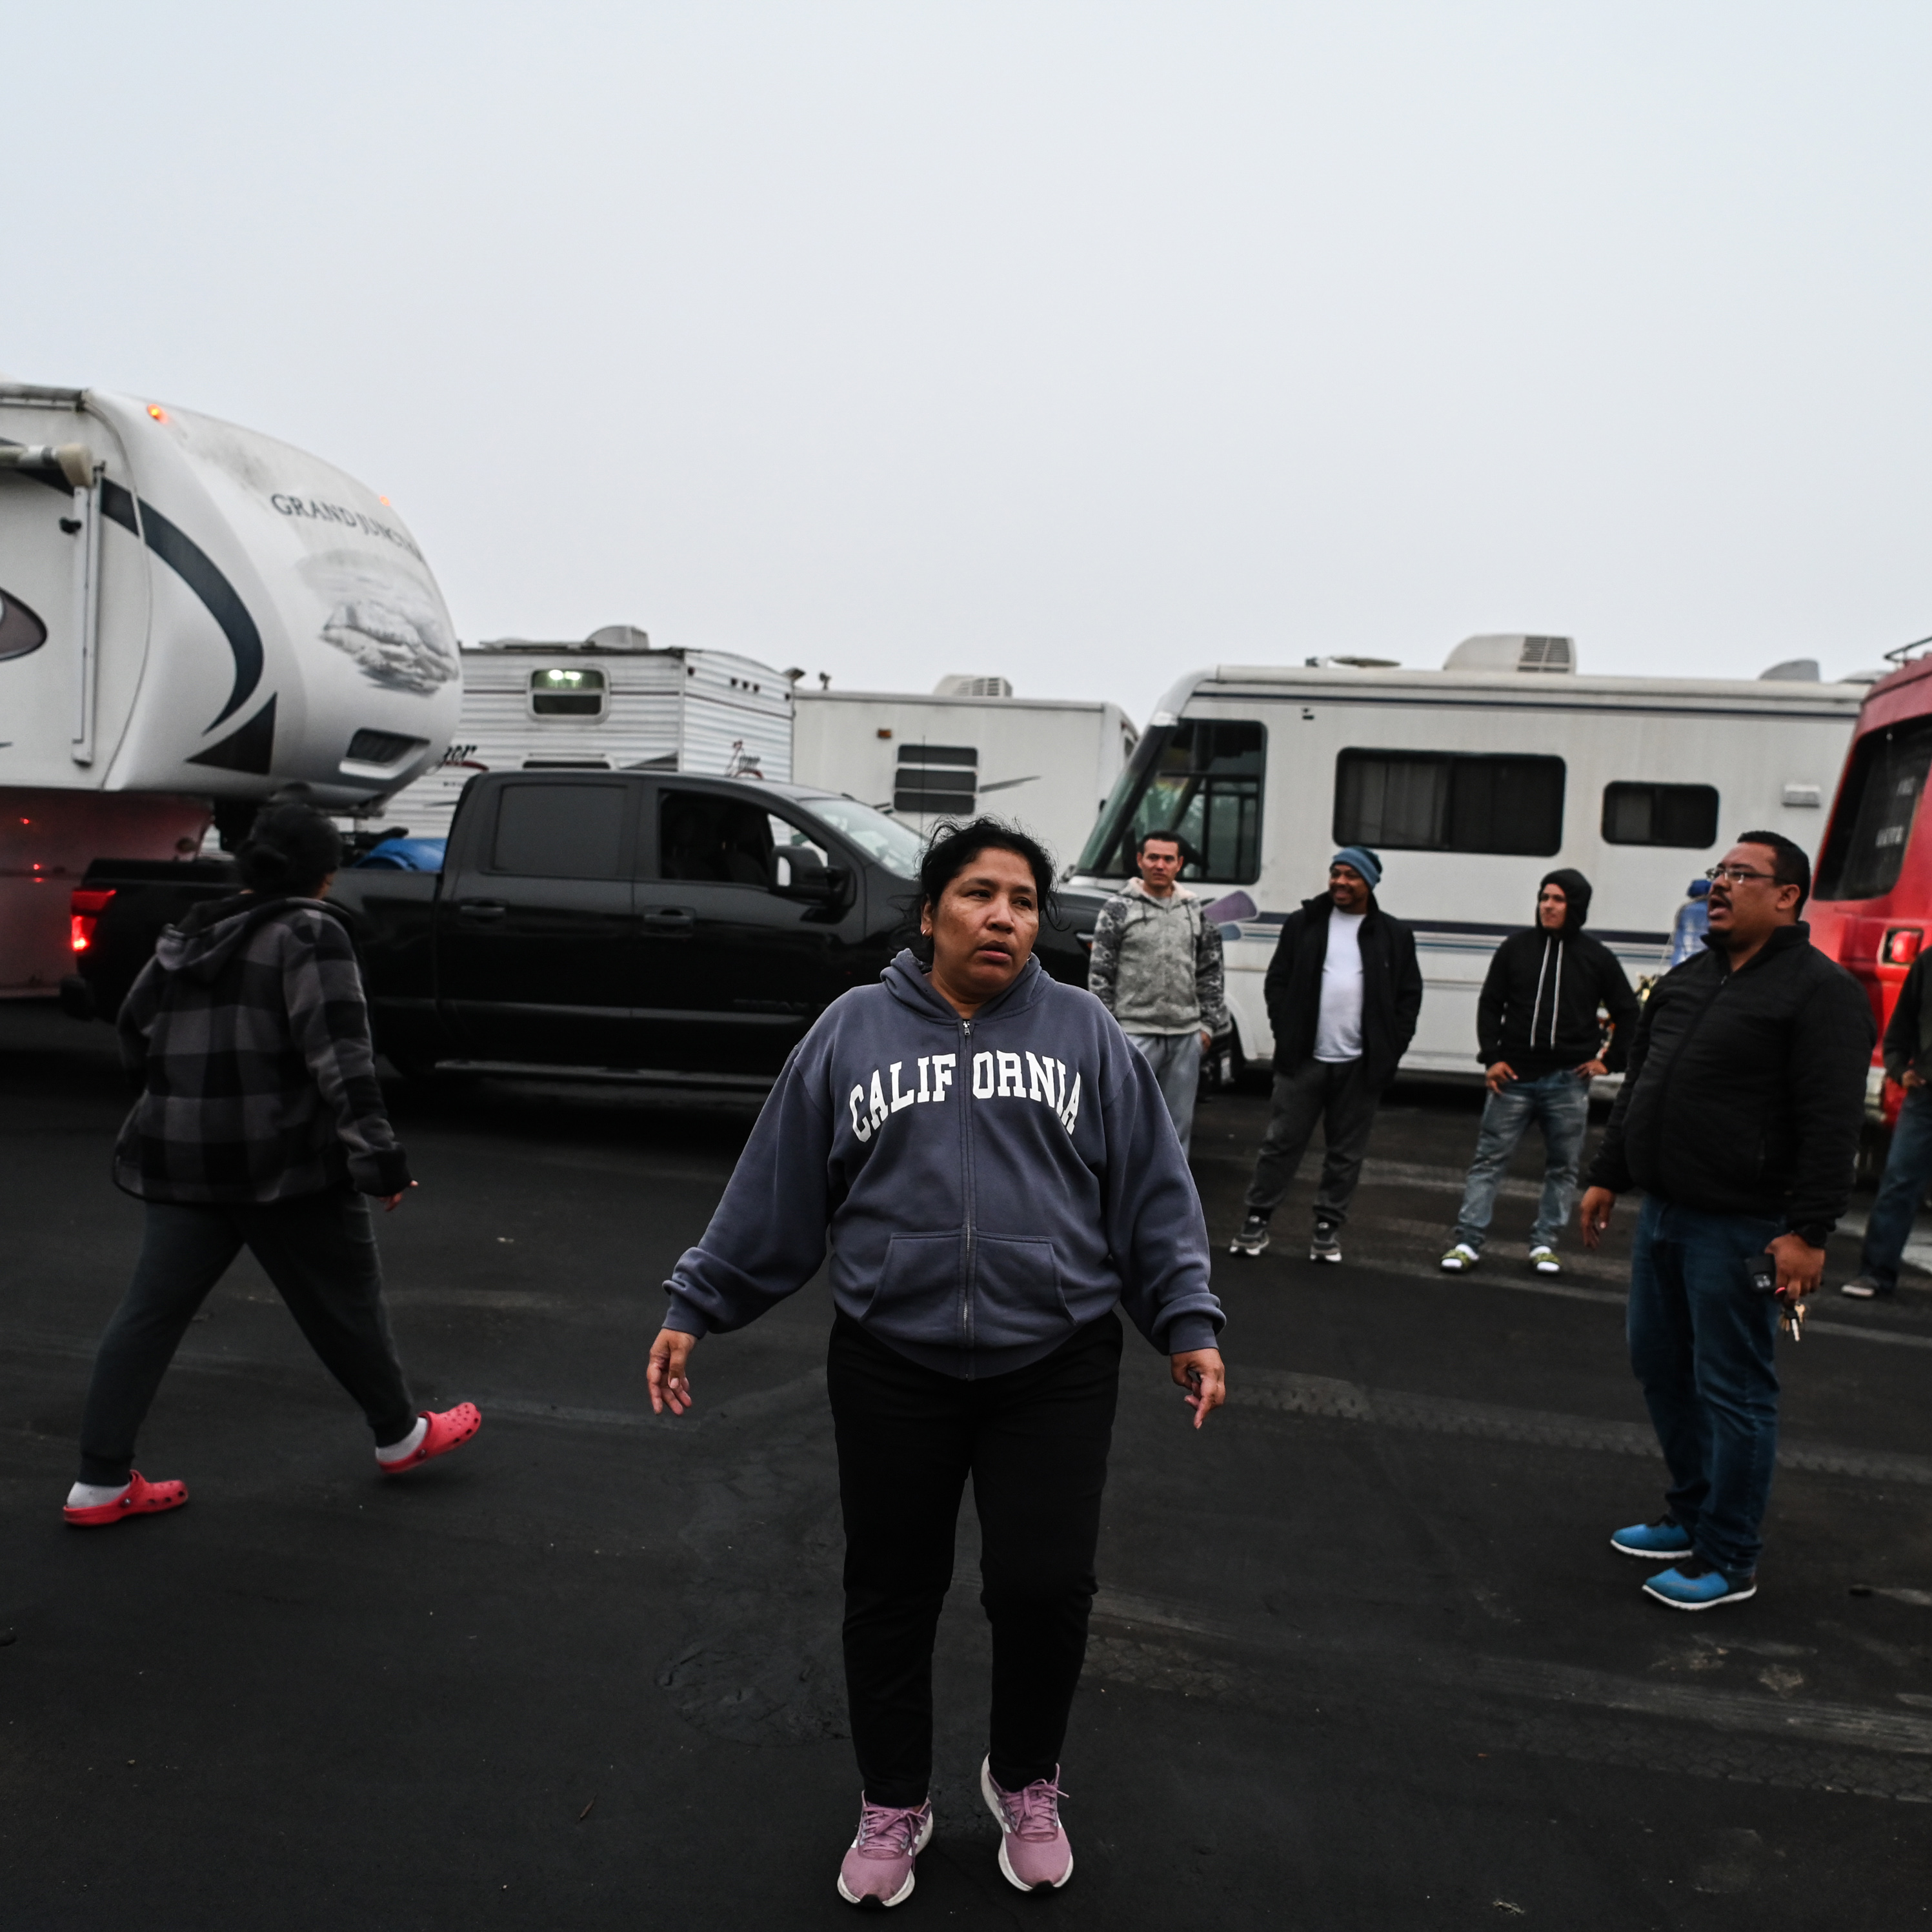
(1871, 907)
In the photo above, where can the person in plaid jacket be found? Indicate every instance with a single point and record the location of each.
(259, 1125)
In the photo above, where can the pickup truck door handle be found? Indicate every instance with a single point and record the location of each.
(671, 921)
(482, 908)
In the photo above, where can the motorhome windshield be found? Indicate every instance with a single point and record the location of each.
(1200, 779)
(896, 846)
(1872, 824)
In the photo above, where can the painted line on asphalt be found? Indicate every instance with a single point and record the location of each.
(1579, 1690)
(1287, 1393)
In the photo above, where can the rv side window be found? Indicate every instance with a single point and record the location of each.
(560, 831)
(1872, 824)
(1661, 814)
(1449, 802)
(566, 691)
(937, 778)
(1201, 779)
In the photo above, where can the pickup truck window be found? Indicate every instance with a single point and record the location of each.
(732, 841)
(896, 846)
(553, 831)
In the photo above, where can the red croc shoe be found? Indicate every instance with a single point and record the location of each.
(140, 1497)
(450, 1430)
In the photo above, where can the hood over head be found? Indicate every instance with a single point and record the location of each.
(206, 940)
(1576, 889)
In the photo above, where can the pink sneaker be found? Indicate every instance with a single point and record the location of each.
(1033, 1850)
(877, 1870)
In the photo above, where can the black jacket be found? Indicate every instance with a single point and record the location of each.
(1908, 1038)
(1391, 988)
(1746, 1091)
(1538, 1007)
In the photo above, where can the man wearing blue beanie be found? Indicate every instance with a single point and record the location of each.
(1343, 991)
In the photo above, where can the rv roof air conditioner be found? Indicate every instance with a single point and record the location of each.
(960, 685)
(1793, 670)
(1512, 650)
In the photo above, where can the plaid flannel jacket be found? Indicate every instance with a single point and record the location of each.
(249, 1035)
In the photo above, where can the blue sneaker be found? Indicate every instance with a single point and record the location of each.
(1666, 1539)
(1696, 1586)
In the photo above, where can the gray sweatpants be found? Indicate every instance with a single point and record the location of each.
(319, 1251)
(1175, 1058)
(1336, 1093)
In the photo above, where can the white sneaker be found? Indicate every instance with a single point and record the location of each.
(1544, 1260)
(1459, 1259)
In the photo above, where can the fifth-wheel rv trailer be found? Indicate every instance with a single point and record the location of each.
(969, 746)
(1472, 782)
(192, 618)
(612, 703)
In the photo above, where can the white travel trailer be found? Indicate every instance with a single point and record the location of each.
(610, 702)
(969, 746)
(1472, 782)
(192, 618)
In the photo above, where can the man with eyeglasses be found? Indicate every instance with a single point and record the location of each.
(1540, 1029)
(1739, 1119)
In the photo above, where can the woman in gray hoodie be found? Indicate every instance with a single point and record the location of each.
(993, 1169)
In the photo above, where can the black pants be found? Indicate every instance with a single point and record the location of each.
(318, 1249)
(1338, 1094)
(1035, 1442)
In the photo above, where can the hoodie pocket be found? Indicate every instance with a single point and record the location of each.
(1016, 1292)
(1016, 1295)
(918, 1296)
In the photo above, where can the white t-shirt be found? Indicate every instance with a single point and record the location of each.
(1338, 1028)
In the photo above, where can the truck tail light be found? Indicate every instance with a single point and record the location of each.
(84, 906)
(1902, 945)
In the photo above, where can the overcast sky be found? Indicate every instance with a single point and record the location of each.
(1085, 343)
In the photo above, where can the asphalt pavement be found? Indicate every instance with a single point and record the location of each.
(1362, 1657)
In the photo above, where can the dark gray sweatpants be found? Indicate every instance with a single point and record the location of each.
(1336, 1093)
(319, 1251)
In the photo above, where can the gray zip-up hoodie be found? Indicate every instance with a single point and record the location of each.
(986, 1186)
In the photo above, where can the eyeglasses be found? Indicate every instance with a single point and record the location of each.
(1735, 875)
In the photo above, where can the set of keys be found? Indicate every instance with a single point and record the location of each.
(1792, 1320)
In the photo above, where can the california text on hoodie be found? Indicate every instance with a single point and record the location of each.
(988, 1185)
(1391, 988)
(1746, 1090)
(249, 1035)
(1538, 1008)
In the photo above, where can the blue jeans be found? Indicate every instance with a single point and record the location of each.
(1175, 1058)
(1560, 1102)
(1702, 1343)
(1908, 1168)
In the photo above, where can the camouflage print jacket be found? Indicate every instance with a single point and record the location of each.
(1157, 964)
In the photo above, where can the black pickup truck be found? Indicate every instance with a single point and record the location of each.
(638, 925)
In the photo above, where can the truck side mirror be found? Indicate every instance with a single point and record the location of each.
(798, 873)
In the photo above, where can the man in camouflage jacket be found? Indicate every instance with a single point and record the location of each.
(1156, 968)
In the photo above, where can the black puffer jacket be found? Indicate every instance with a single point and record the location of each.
(1391, 988)
(1746, 1090)
(1538, 1007)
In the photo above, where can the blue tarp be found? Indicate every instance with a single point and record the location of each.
(402, 855)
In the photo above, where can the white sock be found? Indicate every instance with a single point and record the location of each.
(394, 1452)
(91, 1495)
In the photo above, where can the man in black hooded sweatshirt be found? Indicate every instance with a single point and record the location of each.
(1539, 1027)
